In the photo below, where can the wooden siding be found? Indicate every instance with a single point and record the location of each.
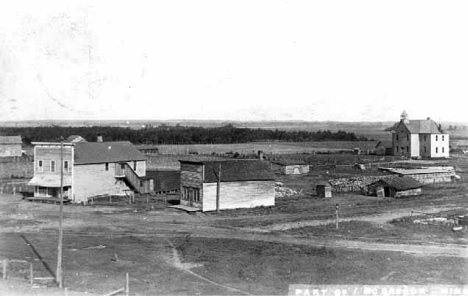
(10, 150)
(191, 175)
(140, 167)
(48, 154)
(93, 179)
(433, 178)
(234, 195)
(414, 145)
(296, 169)
(440, 148)
(323, 191)
(411, 192)
(403, 141)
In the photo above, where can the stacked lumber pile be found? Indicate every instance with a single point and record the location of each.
(355, 183)
(281, 191)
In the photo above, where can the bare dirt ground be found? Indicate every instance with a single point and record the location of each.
(170, 252)
(238, 252)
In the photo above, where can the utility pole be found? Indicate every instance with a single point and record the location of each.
(336, 213)
(218, 188)
(59, 277)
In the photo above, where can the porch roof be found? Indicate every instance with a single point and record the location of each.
(49, 181)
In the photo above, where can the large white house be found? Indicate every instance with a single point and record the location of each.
(89, 169)
(419, 139)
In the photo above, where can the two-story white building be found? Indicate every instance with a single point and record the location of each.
(419, 139)
(89, 169)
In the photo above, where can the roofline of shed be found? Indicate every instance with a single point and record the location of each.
(53, 143)
(101, 162)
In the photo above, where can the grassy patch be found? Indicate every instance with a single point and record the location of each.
(268, 268)
(399, 231)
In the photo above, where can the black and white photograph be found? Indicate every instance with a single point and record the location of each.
(233, 147)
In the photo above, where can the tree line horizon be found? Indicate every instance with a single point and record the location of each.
(178, 134)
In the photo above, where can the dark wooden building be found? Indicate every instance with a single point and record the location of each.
(395, 187)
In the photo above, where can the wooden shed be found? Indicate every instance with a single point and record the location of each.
(427, 175)
(293, 167)
(226, 184)
(395, 187)
(323, 189)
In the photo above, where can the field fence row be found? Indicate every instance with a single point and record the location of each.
(24, 270)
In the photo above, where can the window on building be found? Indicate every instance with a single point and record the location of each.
(52, 165)
(425, 150)
(65, 166)
(107, 166)
(442, 137)
(397, 137)
(40, 168)
(191, 194)
(142, 183)
(397, 149)
(134, 165)
(122, 166)
(437, 138)
(424, 138)
(407, 137)
(407, 148)
(437, 149)
(443, 149)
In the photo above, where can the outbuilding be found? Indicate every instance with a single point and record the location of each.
(293, 167)
(427, 175)
(323, 189)
(395, 187)
(10, 146)
(226, 184)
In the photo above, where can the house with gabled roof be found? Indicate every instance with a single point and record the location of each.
(419, 139)
(89, 169)
(226, 184)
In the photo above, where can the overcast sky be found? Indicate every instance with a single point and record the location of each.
(234, 60)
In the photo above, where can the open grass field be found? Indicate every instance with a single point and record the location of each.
(267, 147)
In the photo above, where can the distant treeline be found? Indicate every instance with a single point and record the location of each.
(175, 134)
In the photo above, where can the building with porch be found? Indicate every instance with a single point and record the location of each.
(89, 169)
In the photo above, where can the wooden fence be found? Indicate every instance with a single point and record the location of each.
(125, 289)
(6, 263)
